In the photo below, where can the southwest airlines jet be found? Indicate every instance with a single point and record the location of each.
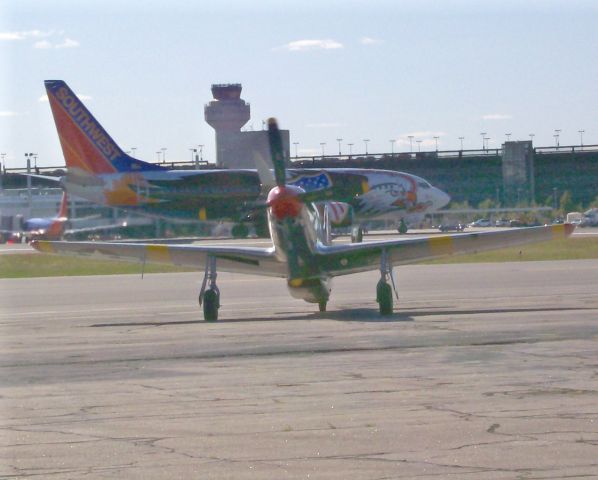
(100, 171)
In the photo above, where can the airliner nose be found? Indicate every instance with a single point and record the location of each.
(440, 198)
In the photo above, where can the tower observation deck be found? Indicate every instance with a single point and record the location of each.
(226, 114)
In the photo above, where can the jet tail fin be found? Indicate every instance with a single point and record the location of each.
(85, 144)
(64, 206)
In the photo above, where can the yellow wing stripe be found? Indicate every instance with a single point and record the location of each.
(441, 245)
(158, 254)
(202, 214)
(558, 231)
(44, 247)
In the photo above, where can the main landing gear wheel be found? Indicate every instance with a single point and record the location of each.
(211, 304)
(383, 289)
(210, 298)
(384, 297)
(356, 235)
(322, 306)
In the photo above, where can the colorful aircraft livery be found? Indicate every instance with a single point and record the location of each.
(100, 171)
(85, 144)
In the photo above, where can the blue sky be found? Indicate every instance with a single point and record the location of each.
(355, 70)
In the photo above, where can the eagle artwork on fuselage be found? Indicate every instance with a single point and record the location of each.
(100, 171)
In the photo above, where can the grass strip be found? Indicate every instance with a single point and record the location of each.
(39, 265)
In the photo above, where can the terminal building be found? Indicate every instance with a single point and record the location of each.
(226, 114)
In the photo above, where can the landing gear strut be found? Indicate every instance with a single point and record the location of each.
(210, 298)
(383, 289)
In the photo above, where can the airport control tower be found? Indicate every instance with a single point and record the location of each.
(226, 114)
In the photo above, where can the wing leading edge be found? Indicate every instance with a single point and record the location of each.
(353, 258)
(255, 261)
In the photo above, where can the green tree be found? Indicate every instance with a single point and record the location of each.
(566, 202)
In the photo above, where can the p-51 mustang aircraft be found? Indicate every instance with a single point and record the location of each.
(100, 171)
(300, 252)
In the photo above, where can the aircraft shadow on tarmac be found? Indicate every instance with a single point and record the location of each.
(364, 315)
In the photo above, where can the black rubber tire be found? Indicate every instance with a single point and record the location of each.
(357, 235)
(211, 304)
(384, 297)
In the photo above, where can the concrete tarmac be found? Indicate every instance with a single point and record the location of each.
(485, 371)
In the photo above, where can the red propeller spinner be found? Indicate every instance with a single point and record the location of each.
(285, 201)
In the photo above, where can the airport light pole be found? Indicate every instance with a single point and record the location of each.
(339, 140)
(200, 153)
(296, 145)
(483, 134)
(419, 145)
(557, 133)
(410, 137)
(365, 141)
(350, 145)
(163, 154)
(461, 138)
(193, 151)
(323, 144)
(29, 198)
(531, 136)
(133, 150)
(392, 147)
(158, 154)
(2, 166)
(487, 142)
(436, 140)
(581, 132)
(508, 135)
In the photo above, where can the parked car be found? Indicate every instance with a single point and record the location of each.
(503, 222)
(451, 227)
(481, 222)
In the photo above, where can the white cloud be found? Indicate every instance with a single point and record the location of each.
(8, 113)
(370, 41)
(497, 116)
(304, 45)
(42, 44)
(59, 40)
(67, 43)
(23, 35)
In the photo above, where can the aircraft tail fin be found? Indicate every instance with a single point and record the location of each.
(64, 206)
(85, 144)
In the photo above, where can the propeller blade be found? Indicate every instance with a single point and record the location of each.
(277, 152)
(263, 170)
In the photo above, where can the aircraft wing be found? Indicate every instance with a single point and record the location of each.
(251, 260)
(361, 257)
